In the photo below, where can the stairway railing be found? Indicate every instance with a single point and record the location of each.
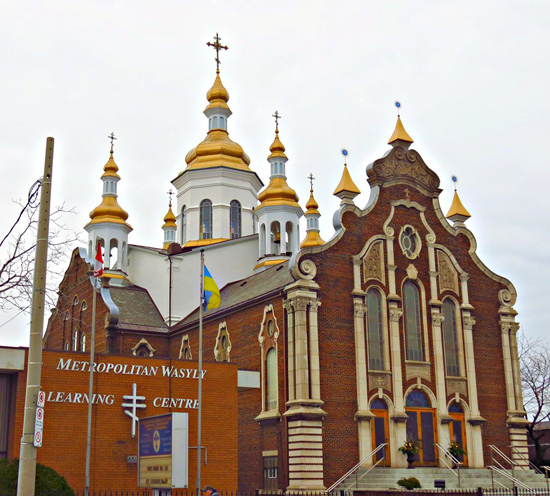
(532, 466)
(454, 460)
(499, 468)
(507, 475)
(358, 466)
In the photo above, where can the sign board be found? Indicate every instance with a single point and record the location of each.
(163, 451)
(41, 399)
(38, 427)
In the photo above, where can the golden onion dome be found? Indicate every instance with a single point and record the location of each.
(313, 238)
(169, 218)
(278, 192)
(217, 150)
(346, 184)
(457, 208)
(110, 168)
(217, 96)
(312, 206)
(277, 148)
(399, 133)
(109, 210)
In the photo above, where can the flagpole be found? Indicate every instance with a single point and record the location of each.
(201, 300)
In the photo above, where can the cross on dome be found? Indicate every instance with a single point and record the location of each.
(112, 138)
(311, 178)
(217, 46)
(170, 193)
(277, 117)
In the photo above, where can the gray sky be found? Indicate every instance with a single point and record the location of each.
(472, 77)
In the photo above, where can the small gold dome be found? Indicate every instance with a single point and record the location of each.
(169, 218)
(277, 148)
(346, 184)
(311, 205)
(313, 238)
(399, 133)
(278, 192)
(457, 208)
(217, 96)
(109, 210)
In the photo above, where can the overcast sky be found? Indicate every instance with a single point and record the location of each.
(472, 77)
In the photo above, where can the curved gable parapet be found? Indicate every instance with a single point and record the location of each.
(506, 297)
(114, 312)
(401, 166)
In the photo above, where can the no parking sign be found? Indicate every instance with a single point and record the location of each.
(39, 419)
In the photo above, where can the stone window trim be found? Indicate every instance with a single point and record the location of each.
(143, 346)
(410, 241)
(185, 348)
(222, 348)
(267, 343)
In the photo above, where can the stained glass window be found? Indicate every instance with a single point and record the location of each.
(413, 323)
(455, 408)
(417, 399)
(375, 330)
(450, 338)
(378, 404)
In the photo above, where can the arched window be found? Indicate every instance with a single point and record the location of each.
(271, 379)
(235, 219)
(215, 123)
(375, 330)
(378, 404)
(450, 338)
(413, 322)
(417, 399)
(83, 343)
(75, 341)
(183, 224)
(206, 219)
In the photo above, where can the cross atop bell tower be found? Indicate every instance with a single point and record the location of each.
(217, 46)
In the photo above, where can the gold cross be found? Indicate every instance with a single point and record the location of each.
(217, 46)
(170, 193)
(112, 138)
(311, 178)
(277, 117)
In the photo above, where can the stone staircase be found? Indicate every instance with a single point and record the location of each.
(381, 478)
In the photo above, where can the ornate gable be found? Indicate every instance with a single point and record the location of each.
(401, 166)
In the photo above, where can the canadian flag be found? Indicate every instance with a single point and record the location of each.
(98, 262)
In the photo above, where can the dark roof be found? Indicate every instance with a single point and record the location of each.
(253, 287)
(137, 309)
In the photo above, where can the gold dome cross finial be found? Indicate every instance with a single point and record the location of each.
(170, 193)
(112, 138)
(311, 178)
(277, 117)
(217, 46)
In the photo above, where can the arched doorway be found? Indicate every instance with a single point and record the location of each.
(380, 432)
(457, 429)
(421, 427)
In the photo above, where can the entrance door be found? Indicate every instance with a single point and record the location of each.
(458, 429)
(380, 430)
(421, 427)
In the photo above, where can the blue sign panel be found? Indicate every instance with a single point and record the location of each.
(155, 436)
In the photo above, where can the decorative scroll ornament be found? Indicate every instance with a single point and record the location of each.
(404, 166)
(437, 318)
(395, 314)
(373, 263)
(305, 270)
(507, 298)
(448, 276)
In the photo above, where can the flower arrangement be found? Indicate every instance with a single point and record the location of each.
(456, 449)
(410, 447)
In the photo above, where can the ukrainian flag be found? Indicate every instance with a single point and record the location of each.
(212, 298)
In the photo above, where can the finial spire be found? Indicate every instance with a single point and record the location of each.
(170, 193)
(455, 180)
(311, 178)
(400, 137)
(217, 46)
(112, 138)
(398, 107)
(277, 117)
(346, 189)
(457, 213)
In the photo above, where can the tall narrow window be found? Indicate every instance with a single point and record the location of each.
(183, 225)
(413, 323)
(75, 341)
(206, 219)
(450, 338)
(271, 379)
(375, 330)
(235, 219)
(83, 343)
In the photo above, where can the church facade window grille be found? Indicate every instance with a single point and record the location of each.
(413, 322)
(206, 219)
(375, 330)
(235, 219)
(409, 241)
(450, 338)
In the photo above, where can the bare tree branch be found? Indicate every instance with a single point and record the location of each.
(17, 253)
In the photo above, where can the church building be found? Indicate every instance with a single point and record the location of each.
(392, 331)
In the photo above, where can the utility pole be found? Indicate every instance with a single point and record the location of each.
(27, 458)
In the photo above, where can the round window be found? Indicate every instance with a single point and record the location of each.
(410, 242)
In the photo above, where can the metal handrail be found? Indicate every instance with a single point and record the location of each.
(356, 467)
(510, 477)
(506, 458)
(526, 459)
(453, 459)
